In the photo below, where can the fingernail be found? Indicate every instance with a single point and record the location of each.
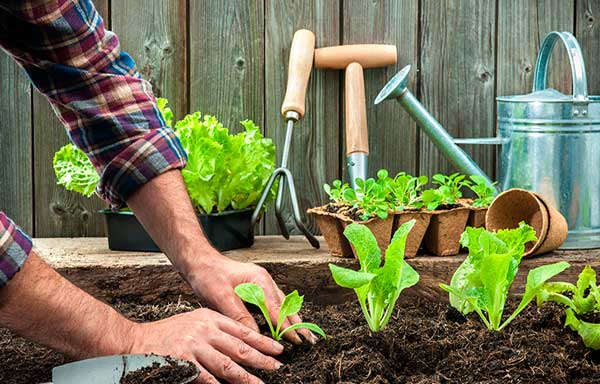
(278, 365)
(278, 346)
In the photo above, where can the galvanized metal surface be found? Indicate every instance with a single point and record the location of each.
(358, 166)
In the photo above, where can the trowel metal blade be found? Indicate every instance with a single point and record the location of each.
(108, 370)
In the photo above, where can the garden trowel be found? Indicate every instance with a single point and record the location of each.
(110, 369)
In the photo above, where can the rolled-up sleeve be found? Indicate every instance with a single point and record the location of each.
(109, 111)
(15, 246)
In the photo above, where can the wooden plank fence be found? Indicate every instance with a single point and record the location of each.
(229, 58)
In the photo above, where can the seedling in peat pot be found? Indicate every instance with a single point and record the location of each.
(404, 191)
(292, 303)
(371, 196)
(484, 191)
(447, 193)
(481, 283)
(377, 288)
(580, 299)
(340, 193)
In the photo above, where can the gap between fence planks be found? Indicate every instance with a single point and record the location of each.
(294, 264)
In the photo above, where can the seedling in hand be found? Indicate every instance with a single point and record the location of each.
(377, 288)
(484, 191)
(292, 303)
(481, 283)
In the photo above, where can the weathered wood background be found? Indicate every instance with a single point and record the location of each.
(229, 58)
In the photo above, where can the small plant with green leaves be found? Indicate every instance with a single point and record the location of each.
(291, 305)
(447, 193)
(578, 299)
(370, 196)
(481, 283)
(340, 193)
(405, 191)
(377, 287)
(484, 191)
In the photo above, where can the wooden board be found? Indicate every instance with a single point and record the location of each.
(521, 28)
(293, 265)
(457, 77)
(392, 133)
(227, 60)
(315, 150)
(588, 35)
(154, 34)
(16, 185)
(58, 212)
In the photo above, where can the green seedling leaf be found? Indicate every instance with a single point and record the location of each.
(589, 332)
(377, 288)
(291, 305)
(253, 294)
(536, 279)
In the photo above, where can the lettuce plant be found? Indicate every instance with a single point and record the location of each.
(75, 171)
(370, 196)
(448, 191)
(483, 191)
(579, 299)
(224, 171)
(377, 287)
(481, 283)
(340, 193)
(405, 191)
(292, 303)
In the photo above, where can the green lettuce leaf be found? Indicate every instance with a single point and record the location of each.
(75, 171)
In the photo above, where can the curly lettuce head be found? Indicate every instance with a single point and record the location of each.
(75, 171)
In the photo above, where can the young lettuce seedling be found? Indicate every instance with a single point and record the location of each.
(482, 281)
(484, 191)
(292, 303)
(340, 193)
(404, 191)
(579, 299)
(447, 193)
(376, 287)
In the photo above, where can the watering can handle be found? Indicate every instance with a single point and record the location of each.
(580, 90)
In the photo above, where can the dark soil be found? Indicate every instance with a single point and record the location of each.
(353, 213)
(424, 343)
(170, 373)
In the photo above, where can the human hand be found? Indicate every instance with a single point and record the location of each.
(217, 344)
(216, 279)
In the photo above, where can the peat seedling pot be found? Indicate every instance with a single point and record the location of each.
(477, 214)
(381, 229)
(332, 231)
(516, 205)
(443, 235)
(415, 237)
(226, 230)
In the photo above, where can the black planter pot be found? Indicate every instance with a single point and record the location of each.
(226, 231)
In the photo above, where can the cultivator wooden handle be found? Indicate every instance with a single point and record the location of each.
(357, 135)
(299, 67)
(367, 55)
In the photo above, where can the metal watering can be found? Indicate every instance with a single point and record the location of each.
(550, 142)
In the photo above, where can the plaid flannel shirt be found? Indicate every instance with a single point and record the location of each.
(109, 111)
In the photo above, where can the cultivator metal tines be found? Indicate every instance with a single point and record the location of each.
(300, 65)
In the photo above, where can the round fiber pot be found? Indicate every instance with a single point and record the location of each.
(558, 229)
(415, 237)
(516, 205)
(332, 231)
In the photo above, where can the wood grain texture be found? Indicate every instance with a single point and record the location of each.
(315, 150)
(294, 264)
(392, 133)
(59, 212)
(16, 182)
(154, 34)
(521, 29)
(457, 76)
(588, 35)
(227, 60)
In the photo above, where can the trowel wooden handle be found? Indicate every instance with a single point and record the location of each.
(367, 55)
(299, 67)
(357, 134)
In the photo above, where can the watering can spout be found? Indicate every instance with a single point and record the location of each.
(397, 89)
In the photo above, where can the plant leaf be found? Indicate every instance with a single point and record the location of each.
(589, 332)
(291, 305)
(365, 245)
(348, 278)
(313, 327)
(75, 171)
(253, 294)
